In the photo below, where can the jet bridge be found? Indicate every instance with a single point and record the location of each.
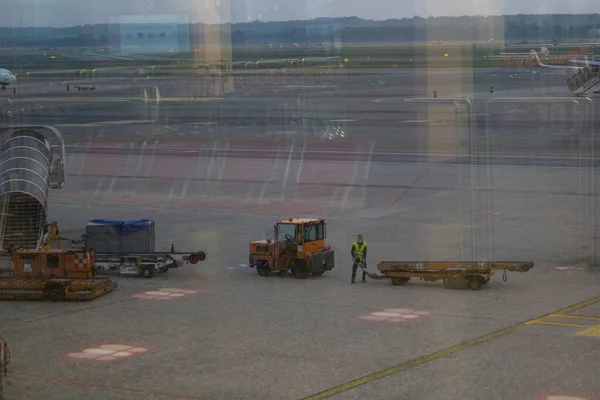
(31, 163)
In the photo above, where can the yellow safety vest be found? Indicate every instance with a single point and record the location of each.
(359, 250)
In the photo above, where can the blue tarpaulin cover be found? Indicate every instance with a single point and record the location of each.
(124, 227)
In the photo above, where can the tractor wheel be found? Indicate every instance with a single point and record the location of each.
(475, 282)
(263, 269)
(300, 269)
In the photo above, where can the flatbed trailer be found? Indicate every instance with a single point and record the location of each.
(144, 264)
(455, 274)
(123, 256)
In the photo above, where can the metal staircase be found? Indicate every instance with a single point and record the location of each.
(583, 81)
(24, 223)
(29, 166)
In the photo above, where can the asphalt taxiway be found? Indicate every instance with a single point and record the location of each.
(412, 189)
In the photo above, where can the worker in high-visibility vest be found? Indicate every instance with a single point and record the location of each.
(359, 255)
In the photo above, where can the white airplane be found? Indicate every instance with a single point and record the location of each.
(7, 78)
(584, 78)
(583, 63)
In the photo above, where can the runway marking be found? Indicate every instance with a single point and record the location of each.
(563, 397)
(570, 269)
(394, 315)
(593, 331)
(442, 353)
(576, 317)
(164, 294)
(108, 352)
(541, 322)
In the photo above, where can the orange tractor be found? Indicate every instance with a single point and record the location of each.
(50, 275)
(298, 246)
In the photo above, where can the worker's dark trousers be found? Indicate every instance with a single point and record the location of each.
(354, 268)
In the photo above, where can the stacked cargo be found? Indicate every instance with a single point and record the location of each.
(120, 237)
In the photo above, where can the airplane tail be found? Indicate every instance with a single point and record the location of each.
(536, 59)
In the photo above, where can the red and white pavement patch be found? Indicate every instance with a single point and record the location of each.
(564, 397)
(395, 315)
(108, 352)
(570, 269)
(164, 294)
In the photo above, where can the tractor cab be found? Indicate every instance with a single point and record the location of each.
(307, 235)
(298, 245)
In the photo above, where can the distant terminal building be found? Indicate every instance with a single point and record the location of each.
(207, 44)
(150, 34)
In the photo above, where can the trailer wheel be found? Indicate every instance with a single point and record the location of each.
(263, 269)
(147, 272)
(399, 281)
(475, 282)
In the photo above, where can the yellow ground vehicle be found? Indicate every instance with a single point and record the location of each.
(298, 246)
(455, 274)
(50, 275)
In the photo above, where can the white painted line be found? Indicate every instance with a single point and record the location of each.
(98, 186)
(301, 164)
(287, 171)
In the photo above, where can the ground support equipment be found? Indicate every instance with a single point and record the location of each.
(455, 274)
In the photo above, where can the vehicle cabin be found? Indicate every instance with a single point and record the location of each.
(307, 233)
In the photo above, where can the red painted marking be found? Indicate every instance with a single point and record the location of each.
(104, 165)
(408, 189)
(338, 173)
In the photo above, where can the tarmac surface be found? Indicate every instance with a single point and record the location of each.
(415, 190)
